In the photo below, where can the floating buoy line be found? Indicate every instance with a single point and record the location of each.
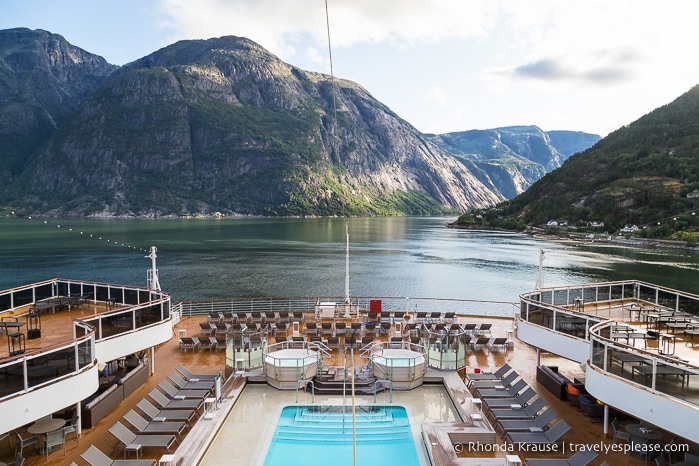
(87, 234)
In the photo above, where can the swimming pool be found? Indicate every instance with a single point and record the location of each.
(320, 435)
(247, 433)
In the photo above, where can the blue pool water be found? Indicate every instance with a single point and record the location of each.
(322, 435)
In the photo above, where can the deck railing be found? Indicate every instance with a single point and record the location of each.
(643, 368)
(573, 310)
(127, 309)
(307, 305)
(32, 370)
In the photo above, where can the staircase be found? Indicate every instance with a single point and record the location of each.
(331, 424)
(332, 383)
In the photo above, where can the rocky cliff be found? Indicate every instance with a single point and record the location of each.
(223, 125)
(512, 158)
(43, 78)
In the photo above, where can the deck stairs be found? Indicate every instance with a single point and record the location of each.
(334, 424)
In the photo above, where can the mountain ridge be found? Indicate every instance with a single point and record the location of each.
(645, 174)
(222, 125)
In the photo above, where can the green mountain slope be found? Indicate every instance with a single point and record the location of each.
(645, 174)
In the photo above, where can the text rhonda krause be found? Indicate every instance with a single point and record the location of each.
(570, 447)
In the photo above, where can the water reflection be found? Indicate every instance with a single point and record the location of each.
(408, 257)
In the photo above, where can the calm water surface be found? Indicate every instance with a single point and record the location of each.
(401, 257)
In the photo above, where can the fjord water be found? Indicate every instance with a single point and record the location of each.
(255, 257)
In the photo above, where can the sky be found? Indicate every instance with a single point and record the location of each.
(441, 65)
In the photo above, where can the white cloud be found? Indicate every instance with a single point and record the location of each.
(436, 95)
(531, 60)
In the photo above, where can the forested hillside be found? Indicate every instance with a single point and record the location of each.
(645, 174)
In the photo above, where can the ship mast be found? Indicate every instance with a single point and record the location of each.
(347, 303)
(540, 276)
(153, 282)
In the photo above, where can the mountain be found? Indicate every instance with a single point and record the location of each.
(222, 125)
(644, 174)
(514, 157)
(43, 78)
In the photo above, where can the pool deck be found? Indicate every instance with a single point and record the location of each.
(192, 448)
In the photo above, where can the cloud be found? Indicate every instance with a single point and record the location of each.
(555, 70)
(437, 95)
(278, 24)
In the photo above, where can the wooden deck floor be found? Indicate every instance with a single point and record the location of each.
(168, 357)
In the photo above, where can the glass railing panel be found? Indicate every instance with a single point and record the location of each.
(592, 294)
(41, 369)
(571, 325)
(12, 376)
(148, 315)
(85, 354)
(560, 298)
(688, 305)
(616, 292)
(117, 324)
(646, 293)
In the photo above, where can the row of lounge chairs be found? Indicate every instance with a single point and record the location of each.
(515, 409)
(164, 416)
(202, 343)
(273, 317)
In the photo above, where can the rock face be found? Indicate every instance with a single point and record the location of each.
(514, 157)
(222, 125)
(43, 78)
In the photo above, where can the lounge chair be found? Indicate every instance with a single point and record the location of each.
(95, 457)
(334, 343)
(340, 328)
(142, 426)
(209, 343)
(183, 384)
(537, 424)
(222, 330)
(126, 437)
(480, 342)
(176, 394)
(189, 343)
(525, 412)
(326, 328)
(311, 329)
(206, 329)
(281, 329)
(522, 399)
(164, 402)
(499, 342)
(221, 343)
(506, 381)
(580, 458)
(155, 414)
(506, 392)
(190, 376)
(484, 329)
(497, 375)
(551, 436)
